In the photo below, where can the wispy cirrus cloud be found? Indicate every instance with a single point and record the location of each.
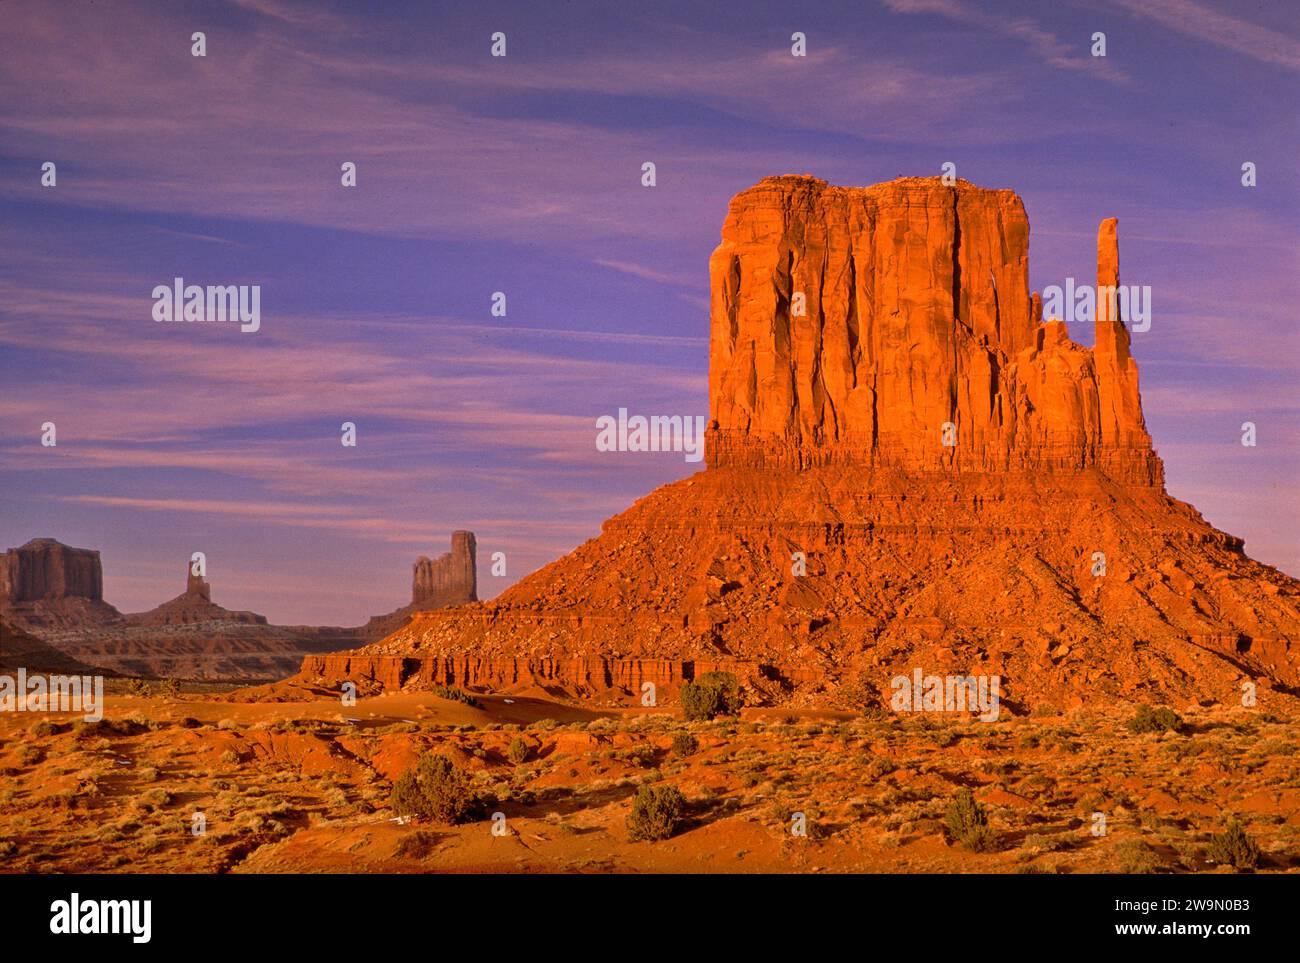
(423, 128)
(1202, 22)
(1042, 43)
(640, 271)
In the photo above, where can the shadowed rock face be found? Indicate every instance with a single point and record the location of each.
(196, 586)
(47, 569)
(853, 324)
(21, 650)
(835, 536)
(450, 579)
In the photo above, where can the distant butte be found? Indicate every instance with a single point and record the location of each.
(193, 606)
(449, 579)
(51, 601)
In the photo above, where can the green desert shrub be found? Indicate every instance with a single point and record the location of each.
(1149, 719)
(656, 812)
(456, 695)
(712, 694)
(1233, 848)
(643, 756)
(968, 824)
(169, 687)
(417, 845)
(436, 789)
(1136, 857)
(1039, 843)
(685, 744)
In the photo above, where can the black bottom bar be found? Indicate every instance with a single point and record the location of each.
(933, 914)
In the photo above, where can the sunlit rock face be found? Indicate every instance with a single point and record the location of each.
(893, 325)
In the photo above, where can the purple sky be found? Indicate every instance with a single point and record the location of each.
(522, 174)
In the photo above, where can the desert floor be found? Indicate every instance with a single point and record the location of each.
(304, 786)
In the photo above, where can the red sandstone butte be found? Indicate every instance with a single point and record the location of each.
(1040, 546)
(193, 606)
(918, 313)
(449, 579)
(47, 569)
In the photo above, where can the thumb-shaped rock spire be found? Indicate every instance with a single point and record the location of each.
(196, 585)
(1112, 337)
(1122, 423)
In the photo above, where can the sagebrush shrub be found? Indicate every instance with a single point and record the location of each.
(1136, 857)
(518, 751)
(712, 694)
(436, 789)
(1149, 719)
(417, 845)
(656, 812)
(1233, 848)
(968, 824)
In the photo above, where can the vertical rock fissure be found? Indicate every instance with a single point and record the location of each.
(956, 311)
(851, 322)
(956, 260)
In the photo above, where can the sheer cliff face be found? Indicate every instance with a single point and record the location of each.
(46, 569)
(855, 324)
(450, 579)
